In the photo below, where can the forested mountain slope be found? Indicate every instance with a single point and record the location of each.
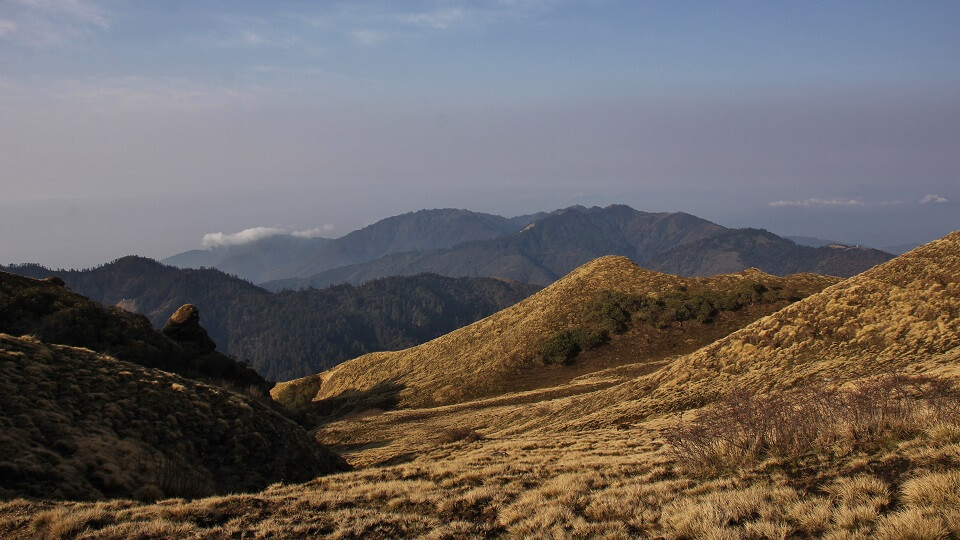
(295, 333)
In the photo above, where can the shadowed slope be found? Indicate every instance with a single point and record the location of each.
(80, 425)
(54, 314)
(487, 357)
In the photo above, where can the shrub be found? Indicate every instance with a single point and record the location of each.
(744, 427)
(456, 434)
(565, 346)
(612, 311)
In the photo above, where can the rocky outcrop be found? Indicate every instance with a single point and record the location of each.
(184, 328)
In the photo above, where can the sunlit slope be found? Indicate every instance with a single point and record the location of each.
(486, 358)
(901, 316)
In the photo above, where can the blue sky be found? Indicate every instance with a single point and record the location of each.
(141, 126)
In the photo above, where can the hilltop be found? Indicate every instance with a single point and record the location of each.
(586, 459)
(553, 245)
(295, 333)
(506, 351)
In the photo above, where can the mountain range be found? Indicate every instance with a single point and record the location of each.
(537, 248)
(283, 255)
(554, 244)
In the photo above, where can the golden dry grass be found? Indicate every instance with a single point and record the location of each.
(588, 458)
(599, 483)
(487, 357)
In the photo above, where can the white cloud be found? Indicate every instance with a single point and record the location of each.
(368, 37)
(931, 198)
(253, 38)
(78, 10)
(819, 202)
(313, 233)
(7, 28)
(253, 234)
(374, 26)
(440, 19)
(212, 240)
(52, 23)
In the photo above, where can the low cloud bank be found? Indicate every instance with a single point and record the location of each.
(818, 202)
(254, 234)
(313, 233)
(931, 198)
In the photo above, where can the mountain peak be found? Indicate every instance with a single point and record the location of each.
(607, 271)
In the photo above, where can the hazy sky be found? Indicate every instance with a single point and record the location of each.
(139, 126)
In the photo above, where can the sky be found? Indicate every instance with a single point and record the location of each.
(151, 127)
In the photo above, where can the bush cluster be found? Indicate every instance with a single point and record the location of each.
(614, 312)
(457, 434)
(565, 346)
(744, 427)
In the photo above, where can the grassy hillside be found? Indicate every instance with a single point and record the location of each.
(81, 425)
(903, 315)
(295, 333)
(582, 461)
(507, 350)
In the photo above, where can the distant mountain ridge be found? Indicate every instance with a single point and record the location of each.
(897, 249)
(294, 333)
(283, 256)
(734, 249)
(552, 246)
(812, 241)
(254, 261)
